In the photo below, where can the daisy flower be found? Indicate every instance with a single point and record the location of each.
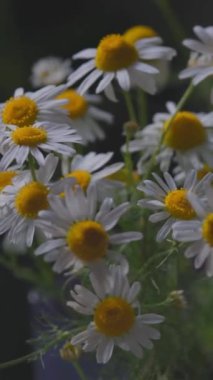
(50, 70)
(91, 168)
(26, 108)
(18, 143)
(80, 230)
(7, 177)
(139, 32)
(116, 318)
(84, 115)
(169, 202)
(201, 59)
(25, 199)
(199, 232)
(116, 58)
(188, 140)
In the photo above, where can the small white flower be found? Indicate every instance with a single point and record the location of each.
(188, 141)
(116, 318)
(80, 230)
(169, 202)
(139, 32)
(50, 70)
(201, 60)
(26, 108)
(25, 199)
(199, 232)
(116, 58)
(91, 169)
(17, 143)
(84, 114)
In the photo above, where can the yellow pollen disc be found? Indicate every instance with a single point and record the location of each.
(185, 132)
(178, 205)
(6, 179)
(77, 105)
(139, 32)
(19, 111)
(207, 229)
(31, 199)
(82, 177)
(203, 171)
(115, 53)
(88, 240)
(29, 136)
(114, 316)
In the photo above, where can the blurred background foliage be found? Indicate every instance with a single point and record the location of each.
(30, 30)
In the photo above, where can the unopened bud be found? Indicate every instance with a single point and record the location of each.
(69, 352)
(178, 299)
(130, 127)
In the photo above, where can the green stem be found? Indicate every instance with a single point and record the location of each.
(127, 155)
(14, 362)
(38, 353)
(142, 108)
(175, 26)
(159, 304)
(129, 106)
(180, 105)
(32, 167)
(79, 370)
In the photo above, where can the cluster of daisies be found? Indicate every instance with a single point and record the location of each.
(64, 203)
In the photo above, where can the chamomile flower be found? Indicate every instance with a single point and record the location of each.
(25, 199)
(50, 70)
(201, 59)
(84, 115)
(169, 202)
(7, 177)
(80, 230)
(188, 140)
(199, 232)
(116, 319)
(139, 32)
(91, 169)
(17, 143)
(26, 108)
(117, 59)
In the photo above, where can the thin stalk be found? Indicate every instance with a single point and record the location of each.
(32, 167)
(180, 105)
(142, 108)
(129, 106)
(127, 155)
(79, 370)
(171, 19)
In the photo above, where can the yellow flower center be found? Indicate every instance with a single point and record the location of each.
(6, 179)
(185, 132)
(82, 177)
(31, 199)
(139, 32)
(203, 171)
(77, 105)
(88, 240)
(207, 229)
(115, 53)
(29, 136)
(20, 111)
(178, 205)
(114, 316)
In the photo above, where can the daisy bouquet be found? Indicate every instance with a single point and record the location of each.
(109, 239)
